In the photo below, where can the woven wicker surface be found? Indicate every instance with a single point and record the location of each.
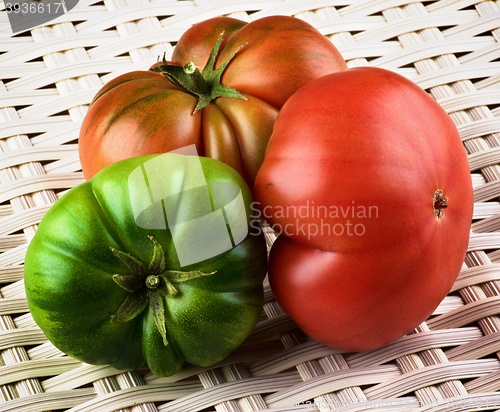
(49, 74)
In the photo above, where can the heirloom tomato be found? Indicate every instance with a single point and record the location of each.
(149, 263)
(367, 180)
(221, 90)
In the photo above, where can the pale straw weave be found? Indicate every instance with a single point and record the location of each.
(49, 74)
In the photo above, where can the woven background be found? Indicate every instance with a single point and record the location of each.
(49, 74)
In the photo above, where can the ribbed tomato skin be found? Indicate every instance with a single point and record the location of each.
(142, 112)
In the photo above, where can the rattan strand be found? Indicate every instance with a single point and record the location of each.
(49, 74)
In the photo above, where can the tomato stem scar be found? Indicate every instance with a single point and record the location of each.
(439, 203)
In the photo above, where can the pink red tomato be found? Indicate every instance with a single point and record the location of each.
(367, 179)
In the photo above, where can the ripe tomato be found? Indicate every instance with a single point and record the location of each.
(367, 180)
(227, 109)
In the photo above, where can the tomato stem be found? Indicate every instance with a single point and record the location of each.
(205, 85)
(152, 281)
(149, 285)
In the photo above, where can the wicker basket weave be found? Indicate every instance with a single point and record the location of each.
(49, 74)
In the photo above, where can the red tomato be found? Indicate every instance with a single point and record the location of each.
(227, 109)
(367, 179)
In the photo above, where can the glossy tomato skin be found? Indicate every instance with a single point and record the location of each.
(351, 177)
(143, 113)
(73, 297)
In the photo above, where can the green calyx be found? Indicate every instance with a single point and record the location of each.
(149, 285)
(205, 85)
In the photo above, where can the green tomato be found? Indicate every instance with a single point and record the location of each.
(149, 263)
